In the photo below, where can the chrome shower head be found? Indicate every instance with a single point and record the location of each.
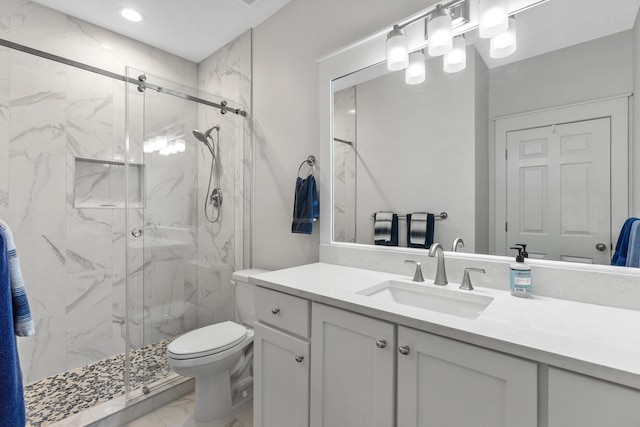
(205, 136)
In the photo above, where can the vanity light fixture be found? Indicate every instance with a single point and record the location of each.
(504, 44)
(456, 60)
(416, 72)
(397, 49)
(439, 31)
(131, 15)
(493, 18)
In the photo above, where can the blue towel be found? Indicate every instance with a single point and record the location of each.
(633, 253)
(622, 246)
(420, 229)
(385, 229)
(12, 412)
(306, 207)
(22, 321)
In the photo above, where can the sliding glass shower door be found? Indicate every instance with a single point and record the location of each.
(179, 264)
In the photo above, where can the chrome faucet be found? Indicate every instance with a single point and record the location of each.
(417, 276)
(466, 280)
(441, 274)
(457, 242)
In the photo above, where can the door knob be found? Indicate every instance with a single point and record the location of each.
(601, 247)
(403, 349)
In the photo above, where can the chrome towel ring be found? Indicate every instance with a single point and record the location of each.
(310, 161)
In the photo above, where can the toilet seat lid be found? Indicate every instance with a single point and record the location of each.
(210, 339)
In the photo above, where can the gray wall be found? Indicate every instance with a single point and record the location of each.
(285, 95)
(588, 71)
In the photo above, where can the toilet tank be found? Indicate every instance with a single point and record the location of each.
(245, 296)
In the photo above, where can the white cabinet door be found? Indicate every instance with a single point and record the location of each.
(352, 369)
(281, 372)
(577, 400)
(446, 383)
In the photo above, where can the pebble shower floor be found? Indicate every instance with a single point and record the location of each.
(55, 398)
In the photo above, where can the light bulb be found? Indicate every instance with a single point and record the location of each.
(180, 145)
(131, 15)
(456, 60)
(397, 49)
(415, 73)
(493, 18)
(504, 44)
(439, 32)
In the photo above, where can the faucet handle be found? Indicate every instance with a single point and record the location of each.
(466, 280)
(417, 276)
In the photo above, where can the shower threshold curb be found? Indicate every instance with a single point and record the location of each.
(119, 411)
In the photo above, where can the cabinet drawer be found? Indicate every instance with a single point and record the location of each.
(283, 311)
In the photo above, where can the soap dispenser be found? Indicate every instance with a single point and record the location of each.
(520, 275)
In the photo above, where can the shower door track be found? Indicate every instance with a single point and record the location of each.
(140, 82)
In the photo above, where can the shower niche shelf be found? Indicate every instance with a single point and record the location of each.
(101, 184)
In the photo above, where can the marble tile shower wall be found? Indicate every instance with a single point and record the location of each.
(225, 246)
(72, 258)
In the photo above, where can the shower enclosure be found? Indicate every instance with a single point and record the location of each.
(178, 264)
(103, 184)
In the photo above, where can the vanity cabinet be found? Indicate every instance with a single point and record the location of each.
(352, 369)
(443, 382)
(281, 363)
(440, 381)
(578, 400)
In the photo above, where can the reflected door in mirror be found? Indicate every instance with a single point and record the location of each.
(558, 185)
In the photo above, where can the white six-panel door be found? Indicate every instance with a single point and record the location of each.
(558, 191)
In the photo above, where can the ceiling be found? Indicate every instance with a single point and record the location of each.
(192, 29)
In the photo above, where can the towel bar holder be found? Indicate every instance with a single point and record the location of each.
(443, 215)
(310, 161)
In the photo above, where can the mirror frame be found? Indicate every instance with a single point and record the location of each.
(346, 61)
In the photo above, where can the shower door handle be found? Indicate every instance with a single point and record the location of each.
(136, 232)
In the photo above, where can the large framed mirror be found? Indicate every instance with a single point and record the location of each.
(533, 148)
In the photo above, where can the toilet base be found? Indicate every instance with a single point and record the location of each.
(213, 398)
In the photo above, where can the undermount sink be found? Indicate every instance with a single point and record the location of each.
(456, 303)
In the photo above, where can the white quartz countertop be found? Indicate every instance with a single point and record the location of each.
(595, 340)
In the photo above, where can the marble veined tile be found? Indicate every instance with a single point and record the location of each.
(37, 193)
(89, 240)
(89, 331)
(37, 108)
(89, 115)
(38, 26)
(4, 130)
(43, 265)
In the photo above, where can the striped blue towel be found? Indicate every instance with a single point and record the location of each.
(23, 323)
(12, 412)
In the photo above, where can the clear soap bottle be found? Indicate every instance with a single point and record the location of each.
(520, 275)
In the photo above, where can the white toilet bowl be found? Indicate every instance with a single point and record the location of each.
(209, 355)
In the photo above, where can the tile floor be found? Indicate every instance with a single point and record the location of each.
(58, 397)
(179, 414)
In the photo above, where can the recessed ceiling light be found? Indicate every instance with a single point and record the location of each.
(131, 15)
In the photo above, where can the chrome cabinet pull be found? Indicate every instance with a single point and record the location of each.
(299, 359)
(136, 232)
(403, 349)
(275, 310)
(601, 247)
(381, 343)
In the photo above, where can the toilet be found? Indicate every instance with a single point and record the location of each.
(219, 356)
